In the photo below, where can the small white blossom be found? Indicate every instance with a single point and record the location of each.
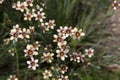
(50, 24)
(31, 29)
(24, 34)
(73, 56)
(33, 64)
(62, 54)
(6, 41)
(48, 57)
(80, 58)
(89, 52)
(30, 51)
(77, 34)
(40, 16)
(29, 2)
(63, 45)
(47, 74)
(63, 78)
(39, 8)
(12, 51)
(63, 69)
(68, 31)
(1, 1)
(116, 5)
(43, 27)
(58, 38)
(23, 6)
(61, 31)
(28, 16)
(12, 77)
(15, 33)
(36, 45)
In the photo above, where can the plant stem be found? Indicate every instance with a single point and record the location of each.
(17, 59)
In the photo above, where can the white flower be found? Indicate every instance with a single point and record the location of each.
(36, 45)
(28, 16)
(47, 74)
(11, 51)
(50, 24)
(12, 77)
(63, 69)
(58, 38)
(116, 4)
(43, 27)
(6, 41)
(1, 1)
(63, 78)
(40, 16)
(77, 34)
(47, 57)
(14, 34)
(31, 29)
(23, 6)
(61, 31)
(29, 2)
(73, 56)
(39, 8)
(68, 31)
(80, 58)
(89, 52)
(24, 34)
(33, 64)
(63, 45)
(62, 54)
(16, 5)
(30, 51)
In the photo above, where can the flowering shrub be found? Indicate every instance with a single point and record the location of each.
(45, 47)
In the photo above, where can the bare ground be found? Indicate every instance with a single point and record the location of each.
(112, 42)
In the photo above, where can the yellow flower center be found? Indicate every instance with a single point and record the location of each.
(59, 39)
(39, 16)
(15, 34)
(89, 52)
(63, 68)
(116, 5)
(32, 63)
(62, 53)
(50, 24)
(68, 31)
(77, 34)
(30, 52)
(29, 2)
(28, 16)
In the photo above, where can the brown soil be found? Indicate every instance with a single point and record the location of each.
(112, 42)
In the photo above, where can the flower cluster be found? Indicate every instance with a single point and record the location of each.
(31, 50)
(63, 50)
(49, 55)
(36, 14)
(21, 33)
(63, 33)
(116, 4)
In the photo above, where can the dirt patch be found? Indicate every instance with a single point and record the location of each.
(112, 42)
